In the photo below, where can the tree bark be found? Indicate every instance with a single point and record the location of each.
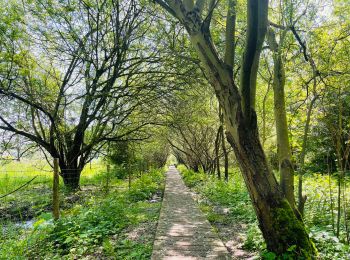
(70, 173)
(217, 157)
(301, 197)
(263, 119)
(224, 150)
(278, 221)
(283, 146)
(71, 178)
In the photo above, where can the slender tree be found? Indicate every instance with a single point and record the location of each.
(283, 146)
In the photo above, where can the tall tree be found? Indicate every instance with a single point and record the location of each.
(82, 80)
(280, 222)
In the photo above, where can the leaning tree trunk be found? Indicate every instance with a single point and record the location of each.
(283, 147)
(279, 221)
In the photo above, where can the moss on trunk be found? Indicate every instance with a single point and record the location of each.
(292, 233)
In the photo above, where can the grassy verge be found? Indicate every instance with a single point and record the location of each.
(118, 225)
(228, 208)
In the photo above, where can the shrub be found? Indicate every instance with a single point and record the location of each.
(142, 189)
(192, 179)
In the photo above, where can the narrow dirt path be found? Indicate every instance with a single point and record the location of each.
(183, 232)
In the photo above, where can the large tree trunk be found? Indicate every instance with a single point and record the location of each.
(279, 221)
(283, 147)
(70, 173)
(71, 178)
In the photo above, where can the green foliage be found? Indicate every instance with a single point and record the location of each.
(120, 153)
(99, 227)
(329, 245)
(254, 240)
(90, 225)
(119, 171)
(230, 195)
(193, 179)
(36, 197)
(269, 256)
(321, 206)
(127, 157)
(128, 249)
(144, 187)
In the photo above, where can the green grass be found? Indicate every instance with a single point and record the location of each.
(35, 197)
(14, 174)
(119, 224)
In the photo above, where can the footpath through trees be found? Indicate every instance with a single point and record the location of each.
(183, 232)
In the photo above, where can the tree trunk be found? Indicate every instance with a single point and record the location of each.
(195, 168)
(280, 223)
(301, 198)
(224, 150)
(283, 147)
(225, 156)
(71, 178)
(263, 119)
(217, 146)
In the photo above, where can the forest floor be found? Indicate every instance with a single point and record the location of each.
(183, 231)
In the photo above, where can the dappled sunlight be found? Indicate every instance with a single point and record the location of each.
(183, 231)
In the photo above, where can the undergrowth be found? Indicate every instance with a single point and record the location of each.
(120, 225)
